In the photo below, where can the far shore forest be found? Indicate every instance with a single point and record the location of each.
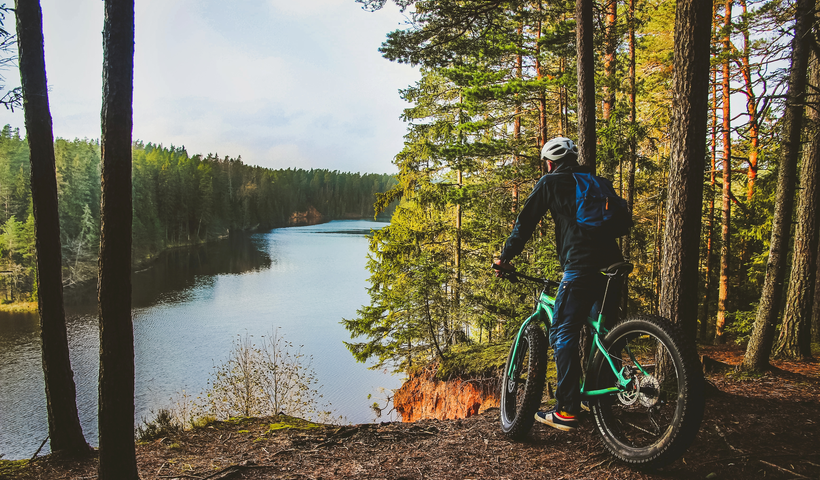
(179, 200)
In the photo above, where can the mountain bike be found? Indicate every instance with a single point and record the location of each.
(643, 381)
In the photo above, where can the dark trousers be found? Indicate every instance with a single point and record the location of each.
(579, 297)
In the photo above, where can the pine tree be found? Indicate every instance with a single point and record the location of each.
(759, 347)
(64, 428)
(116, 396)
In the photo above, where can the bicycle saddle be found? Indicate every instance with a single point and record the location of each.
(619, 269)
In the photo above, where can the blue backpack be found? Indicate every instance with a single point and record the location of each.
(599, 209)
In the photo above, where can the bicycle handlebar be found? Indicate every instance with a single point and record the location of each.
(512, 275)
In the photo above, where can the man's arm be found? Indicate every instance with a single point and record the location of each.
(534, 209)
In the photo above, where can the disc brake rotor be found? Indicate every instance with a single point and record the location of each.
(631, 396)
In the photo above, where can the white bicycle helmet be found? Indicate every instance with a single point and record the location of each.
(556, 149)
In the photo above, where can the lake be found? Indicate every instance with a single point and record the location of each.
(189, 307)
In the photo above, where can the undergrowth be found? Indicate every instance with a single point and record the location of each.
(163, 425)
(11, 467)
(474, 361)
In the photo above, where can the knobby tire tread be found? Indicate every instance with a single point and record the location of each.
(534, 388)
(691, 412)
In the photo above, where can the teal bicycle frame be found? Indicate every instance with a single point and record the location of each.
(544, 313)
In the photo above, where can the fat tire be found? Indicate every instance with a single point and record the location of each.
(690, 404)
(517, 418)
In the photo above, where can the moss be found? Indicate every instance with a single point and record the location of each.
(744, 376)
(202, 422)
(174, 446)
(239, 420)
(285, 422)
(19, 307)
(484, 360)
(243, 431)
(11, 467)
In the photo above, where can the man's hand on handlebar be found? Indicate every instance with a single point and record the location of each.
(502, 267)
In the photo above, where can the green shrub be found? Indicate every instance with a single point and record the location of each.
(163, 425)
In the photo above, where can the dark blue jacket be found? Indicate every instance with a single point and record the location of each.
(578, 249)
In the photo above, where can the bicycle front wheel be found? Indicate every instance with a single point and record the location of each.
(656, 419)
(521, 393)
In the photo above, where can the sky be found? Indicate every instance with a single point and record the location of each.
(281, 83)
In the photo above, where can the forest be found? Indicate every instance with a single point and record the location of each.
(178, 200)
(499, 78)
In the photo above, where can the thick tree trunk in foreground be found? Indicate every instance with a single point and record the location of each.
(116, 404)
(679, 274)
(795, 333)
(760, 345)
(64, 428)
(815, 313)
(586, 84)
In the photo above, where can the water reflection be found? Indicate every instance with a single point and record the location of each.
(170, 277)
(188, 307)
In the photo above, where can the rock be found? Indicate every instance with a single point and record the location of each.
(424, 397)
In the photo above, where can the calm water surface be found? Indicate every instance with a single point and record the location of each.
(189, 307)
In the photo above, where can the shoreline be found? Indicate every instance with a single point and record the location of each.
(147, 261)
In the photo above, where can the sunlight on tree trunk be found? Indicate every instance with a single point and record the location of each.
(116, 391)
(64, 428)
(760, 345)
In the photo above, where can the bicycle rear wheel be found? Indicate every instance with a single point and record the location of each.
(521, 393)
(657, 418)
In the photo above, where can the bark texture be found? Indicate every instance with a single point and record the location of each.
(795, 333)
(710, 218)
(679, 273)
(751, 105)
(116, 402)
(726, 162)
(64, 428)
(633, 148)
(760, 345)
(586, 84)
(611, 44)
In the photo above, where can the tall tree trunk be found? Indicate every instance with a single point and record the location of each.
(611, 43)
(815, 313)
(795, 333)
(64, 428)
(586, 84)
(633, 147)
(562, 104)
(519, 74)
(116, 402)
(725, 233)
(751, 106)
(542, 98)
(760, 345)
(679, 277)
(710, 218)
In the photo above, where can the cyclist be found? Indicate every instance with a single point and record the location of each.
(582, 255)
